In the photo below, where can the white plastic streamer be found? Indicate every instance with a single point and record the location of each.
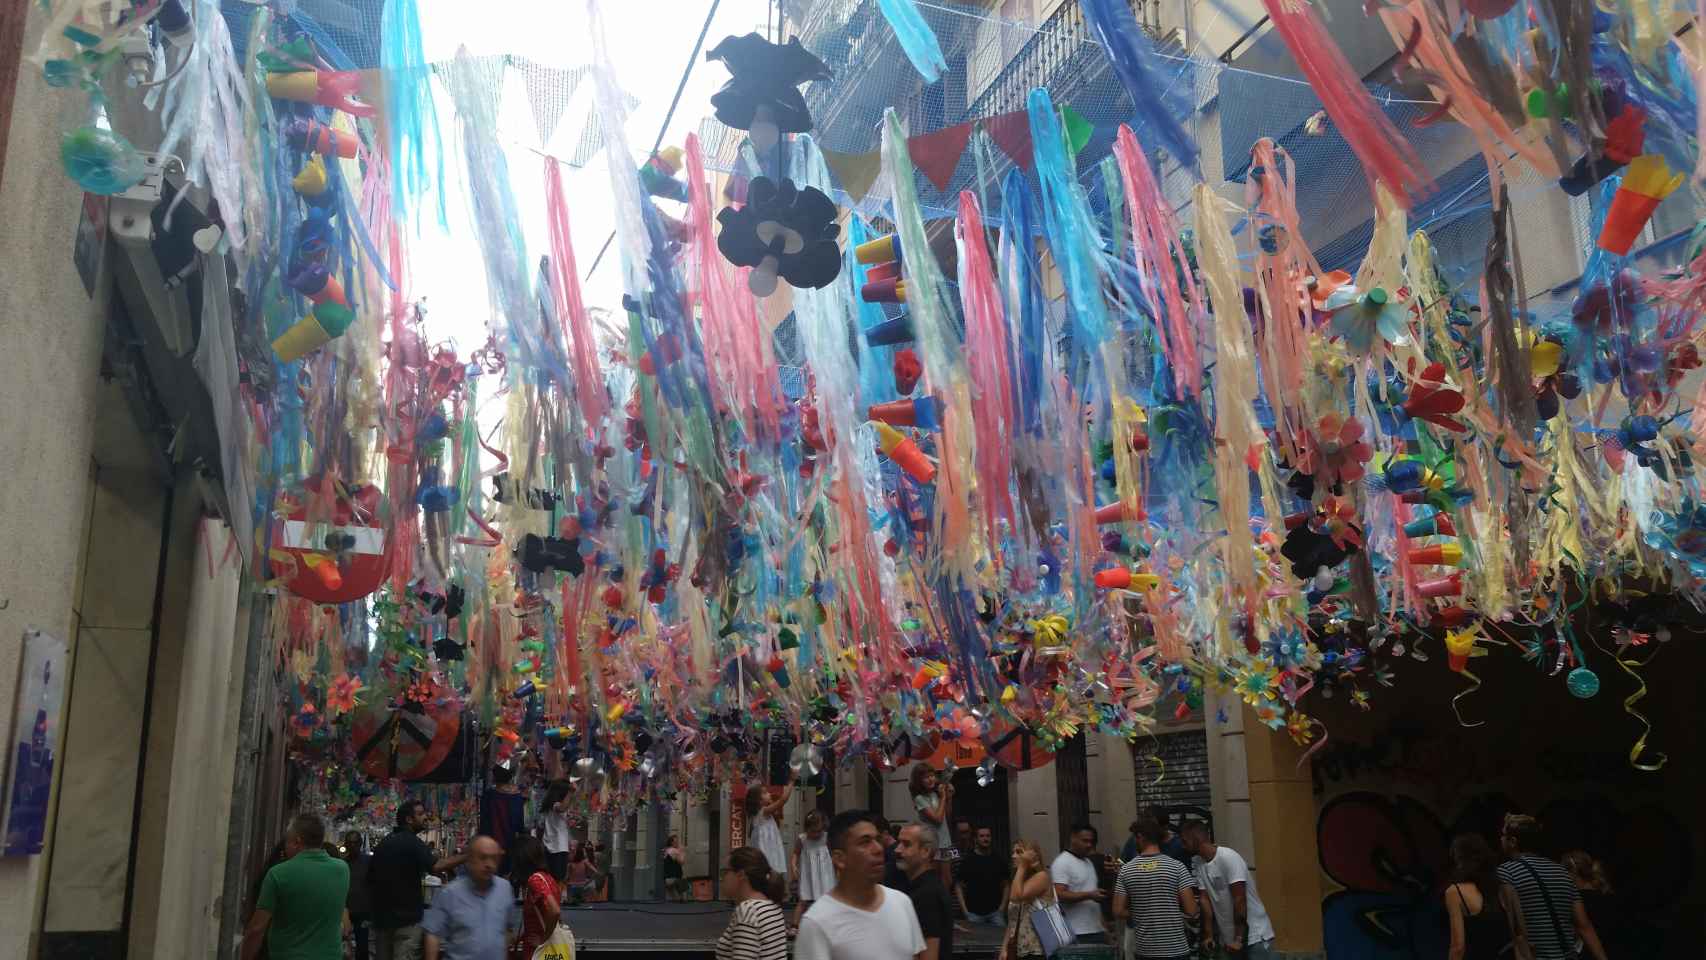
(635, 243)
(204, 109)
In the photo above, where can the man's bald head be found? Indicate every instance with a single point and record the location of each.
(483, 857)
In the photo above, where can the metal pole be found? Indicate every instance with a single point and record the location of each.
(243, 806)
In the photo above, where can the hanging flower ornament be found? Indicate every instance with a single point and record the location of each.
(1363, 319)
(341, 698)
(1257, 682)
(782, 232)
(1338, 450)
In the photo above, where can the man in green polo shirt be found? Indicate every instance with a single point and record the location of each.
(300, 912)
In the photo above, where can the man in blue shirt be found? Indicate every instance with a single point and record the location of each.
(470, 919)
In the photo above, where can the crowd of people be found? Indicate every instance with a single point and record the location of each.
(865, 889)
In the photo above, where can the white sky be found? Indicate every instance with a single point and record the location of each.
(649, 41)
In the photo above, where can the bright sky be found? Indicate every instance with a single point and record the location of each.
(649, 42)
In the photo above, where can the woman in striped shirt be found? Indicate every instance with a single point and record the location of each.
(757, 930)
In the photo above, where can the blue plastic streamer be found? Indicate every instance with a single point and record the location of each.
(1139, 70)
(1070, 227)
(916, 37)
(411, 117)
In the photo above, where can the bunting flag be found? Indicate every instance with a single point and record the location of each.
(1078, 129)
(549, 90)
(937, 154)
(854, 171)
(1012, 133)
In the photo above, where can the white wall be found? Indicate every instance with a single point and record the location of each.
(50, 340)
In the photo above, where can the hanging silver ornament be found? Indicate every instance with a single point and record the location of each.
(986, 772)
(806, 760)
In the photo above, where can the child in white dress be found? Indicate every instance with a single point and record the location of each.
(763, 813)
(812, 864)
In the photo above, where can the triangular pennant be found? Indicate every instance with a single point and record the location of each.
(1012, 133)
(549, 90)
(854, 171)
(1078, 129)
(937, 154)
(592, 134)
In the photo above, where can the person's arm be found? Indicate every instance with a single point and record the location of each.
(1188, 900)
(1518, 925)
(545, 900)
(1240, 913)
(1205, 905)
(348, 927)
(931, 809)
(1120, 906)
(429, 946)
(776, 807)
(1454, 916)
(1034, 885)
(1584, 928)
(255, 933)
(960, 896)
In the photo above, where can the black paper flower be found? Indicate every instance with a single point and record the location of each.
(782, 231)
(763, 94)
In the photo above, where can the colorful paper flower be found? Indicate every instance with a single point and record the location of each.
(1360, 319)
(1301, 726)
(1338, 450)
(341, 697)
(1271, 714)
(1258, 682)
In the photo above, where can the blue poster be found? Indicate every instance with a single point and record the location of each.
(35, 735)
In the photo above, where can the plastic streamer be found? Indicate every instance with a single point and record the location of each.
(569, 306)
(1639, 749)
(940, 351)
(1130, 51)
(1155, 240)
(1386, 156)
(916, 37)
(987, 345)
(411, 116)
(1070, 228)
(1024, 292)
(631, 232)
(204, 110)
(1238, 436)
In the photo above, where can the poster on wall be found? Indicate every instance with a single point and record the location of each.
(34, 737)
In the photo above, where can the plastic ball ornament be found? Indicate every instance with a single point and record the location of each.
(1582, 683)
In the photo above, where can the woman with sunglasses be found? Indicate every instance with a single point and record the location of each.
(757, 929)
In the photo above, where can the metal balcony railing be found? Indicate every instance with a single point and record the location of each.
(1061, 48)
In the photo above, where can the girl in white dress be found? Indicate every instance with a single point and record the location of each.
(763, 815)
(812, 864)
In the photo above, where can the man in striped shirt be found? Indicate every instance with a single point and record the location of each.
(1552, 911)
(1152, 897)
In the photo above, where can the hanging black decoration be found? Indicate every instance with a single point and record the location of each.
(763, 95)
(782, 232)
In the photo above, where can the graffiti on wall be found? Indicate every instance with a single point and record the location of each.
(1389, 856)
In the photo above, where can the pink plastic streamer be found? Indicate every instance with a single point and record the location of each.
(1154, 233)
(1386, 156)
(992, 384)
(1282, 339)
(569, 307)
(737, 349)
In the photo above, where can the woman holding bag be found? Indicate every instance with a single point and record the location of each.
(541, 899)
(1031, 893)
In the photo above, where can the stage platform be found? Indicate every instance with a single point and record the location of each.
(691, 929)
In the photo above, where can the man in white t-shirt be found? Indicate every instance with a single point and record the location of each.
(1240, 920)
(860, 919)
(1079, 887)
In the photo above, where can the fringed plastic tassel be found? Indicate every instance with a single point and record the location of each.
(736, 349)
(1238, 436)
(987, 343)
(1129, 49)
(631, 234)
(566, 298)
(1386, 156)
(940, 351)
(1025, 300)
(411, 116)
(1282, 339)
(1155, 240)
(916, 37)
(1071, 229)
(204, 110)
